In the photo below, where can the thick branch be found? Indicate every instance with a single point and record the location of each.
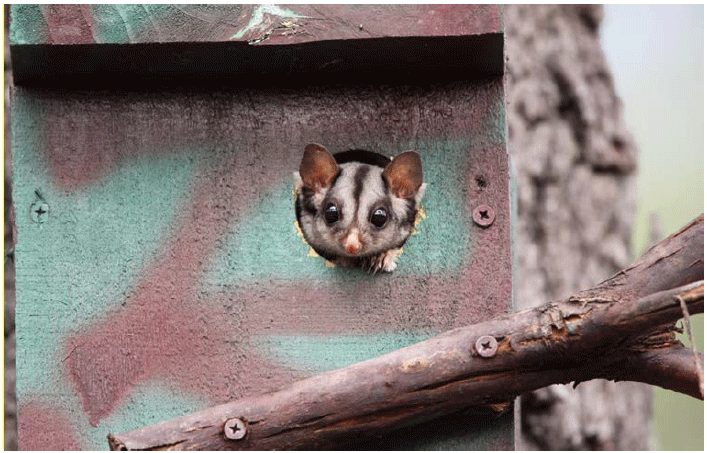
(619, 330)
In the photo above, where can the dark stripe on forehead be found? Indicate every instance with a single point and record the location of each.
(359, 178)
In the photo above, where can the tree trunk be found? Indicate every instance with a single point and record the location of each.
(574, 163)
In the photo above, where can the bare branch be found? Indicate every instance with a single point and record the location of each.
(623, 329)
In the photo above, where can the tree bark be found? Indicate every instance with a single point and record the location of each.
(574, 163)
(622, 329)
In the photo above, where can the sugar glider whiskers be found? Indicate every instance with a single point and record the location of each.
(357, 208)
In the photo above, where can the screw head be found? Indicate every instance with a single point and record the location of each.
(483, 215)
(39, 212)
(486, 346)
(234, 429)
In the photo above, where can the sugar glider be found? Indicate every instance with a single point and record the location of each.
(357, 208)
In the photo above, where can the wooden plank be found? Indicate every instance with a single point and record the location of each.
(111, 46)
(253, 24)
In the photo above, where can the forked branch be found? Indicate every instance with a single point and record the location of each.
(622, 329)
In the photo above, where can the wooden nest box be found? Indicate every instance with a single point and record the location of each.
(159, 270)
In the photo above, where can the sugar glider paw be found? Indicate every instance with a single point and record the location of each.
(385, 261)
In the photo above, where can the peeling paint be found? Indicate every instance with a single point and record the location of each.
(257, 19)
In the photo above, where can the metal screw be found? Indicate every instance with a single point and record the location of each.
(483, 215)
(486, 346)
(39, 212)
(234, 429)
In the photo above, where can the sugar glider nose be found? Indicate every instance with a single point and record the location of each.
(352, 243)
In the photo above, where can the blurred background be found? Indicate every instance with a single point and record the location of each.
(656, 54)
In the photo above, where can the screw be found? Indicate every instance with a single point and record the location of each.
(486, 346)
(39, 212)
(234, 429)
(483, 215)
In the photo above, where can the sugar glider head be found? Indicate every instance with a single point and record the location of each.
(357, 204)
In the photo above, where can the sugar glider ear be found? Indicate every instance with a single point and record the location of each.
(404, 174)
(318, 168)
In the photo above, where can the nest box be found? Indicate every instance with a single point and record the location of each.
(159, 269)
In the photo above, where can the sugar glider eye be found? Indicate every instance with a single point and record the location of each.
(331, 214)
(379, 217)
